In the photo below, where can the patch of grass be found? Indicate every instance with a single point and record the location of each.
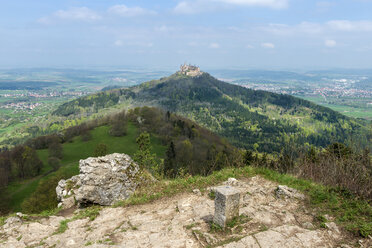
(91, 213)
(263, 228)
(106, 241)
(168, 188)
(212, 195)
(241, 219)
(79, 149)
(321, 218)
(215, 228)
(132, 227)
(188, 227)
(354, 214)
(2, 220)
(62, 226)
(88, 243)
(50, 212)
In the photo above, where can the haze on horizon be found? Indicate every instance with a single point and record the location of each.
(262, 34)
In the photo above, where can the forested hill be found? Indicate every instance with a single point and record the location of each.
(257, 120)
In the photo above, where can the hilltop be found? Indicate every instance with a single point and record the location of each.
(256, 120)
(177, 214)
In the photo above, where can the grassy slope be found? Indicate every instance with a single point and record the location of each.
(77, 150)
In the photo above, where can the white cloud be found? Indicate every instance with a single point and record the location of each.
(118, 43)
(165, 29)
(324, 6)
(123, 10)
(187, 8)
(73, 14)
(312, 28)
(275, 4)
(197, 6)
(214, 45)
(268, 45)
(249, 46)
(330, 43)
(345, 25)
(284, 29)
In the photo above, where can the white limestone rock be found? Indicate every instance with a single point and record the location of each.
(283, 191)
(102, 180)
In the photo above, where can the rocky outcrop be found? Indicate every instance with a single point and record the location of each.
(283, 191)
(184, 220)
(102, 180)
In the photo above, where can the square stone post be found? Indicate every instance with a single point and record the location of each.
(226, 205)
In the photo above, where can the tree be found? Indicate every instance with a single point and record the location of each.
(118, 128)
(18, 161)
(144, 157)
(43, 198)
(54, 162)
(248, 157)
(170, 160)
(100, 150)
(5, 169)
(185, 152)
(339, 150)
(55, 149)
(32, 163)
(26, 162)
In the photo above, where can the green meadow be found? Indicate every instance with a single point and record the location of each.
(74, 151)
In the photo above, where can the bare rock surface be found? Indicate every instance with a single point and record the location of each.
(102, 180)
(184, 221)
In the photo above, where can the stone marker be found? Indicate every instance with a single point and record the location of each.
(226, 205)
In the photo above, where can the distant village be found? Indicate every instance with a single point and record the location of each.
(26, 105)
(335, 88)
(21, 105)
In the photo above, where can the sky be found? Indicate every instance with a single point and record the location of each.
(241, 34)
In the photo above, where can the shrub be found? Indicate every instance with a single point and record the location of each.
(100, 150)
(54, 162)
(44, 198)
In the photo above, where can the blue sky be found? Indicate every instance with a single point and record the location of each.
(245, 34)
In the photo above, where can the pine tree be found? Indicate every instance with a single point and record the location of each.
(169, 162)
(144, 157)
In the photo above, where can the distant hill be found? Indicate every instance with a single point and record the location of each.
(256, 120)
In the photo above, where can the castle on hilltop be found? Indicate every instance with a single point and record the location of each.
(190, 70)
